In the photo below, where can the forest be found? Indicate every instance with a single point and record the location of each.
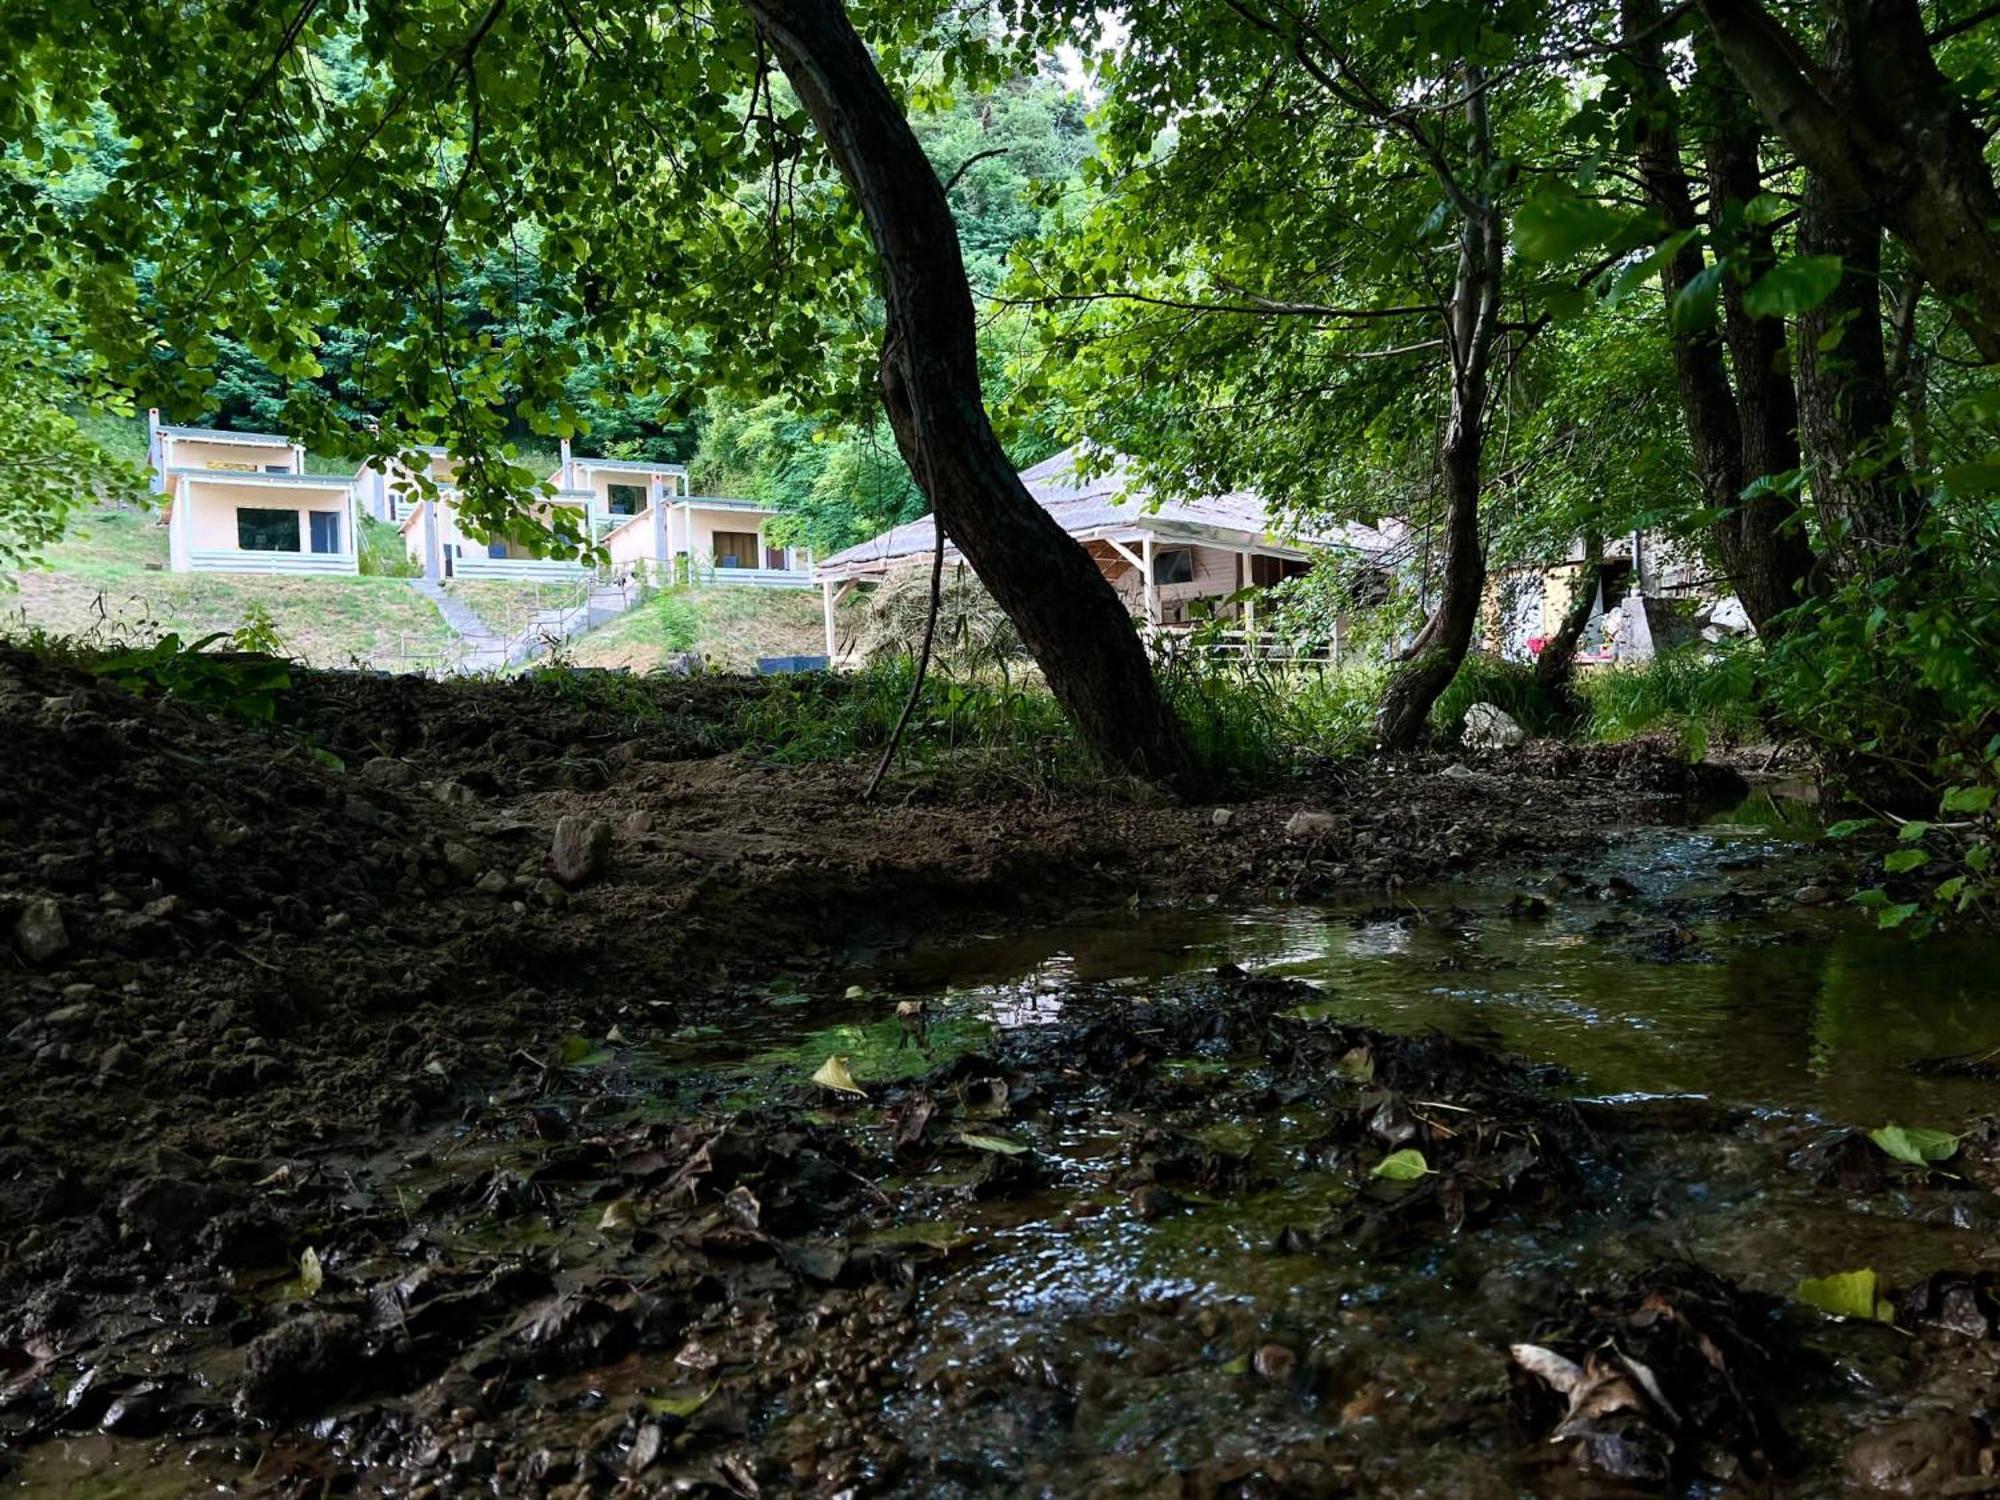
(1385, 885)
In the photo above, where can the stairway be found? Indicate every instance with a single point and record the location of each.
(480, 649)
(548, 628)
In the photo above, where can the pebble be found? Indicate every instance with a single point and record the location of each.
(1812, 895)
(581, 849)
(1222, 817)
(1306, 825)
(39, 932)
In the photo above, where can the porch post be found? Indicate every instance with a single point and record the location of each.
(826, 606)
(433, 563)
(1249, 572)
(661, 556)
(1146, 568)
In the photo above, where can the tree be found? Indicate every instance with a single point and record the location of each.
(685, 232)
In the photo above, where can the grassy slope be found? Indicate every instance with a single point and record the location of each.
(109, 577)
(508, 606)
(736, 626)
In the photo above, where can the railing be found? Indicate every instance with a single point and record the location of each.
(709, 575)
(528, 569)
(1245, 645)
(219, 561)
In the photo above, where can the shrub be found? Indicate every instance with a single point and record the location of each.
(1704, 693)
(382, 554)
(679, 619)
(1509, 686)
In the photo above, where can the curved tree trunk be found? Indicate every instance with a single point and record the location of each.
(1067, 613)
(1433, 659)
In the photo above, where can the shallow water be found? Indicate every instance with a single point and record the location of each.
(1071, 1344)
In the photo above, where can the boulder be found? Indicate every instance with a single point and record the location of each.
(581, 850)
(1310, 825)
(1490, 728)
(39, 932)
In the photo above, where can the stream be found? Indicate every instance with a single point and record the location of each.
(1125, 1243)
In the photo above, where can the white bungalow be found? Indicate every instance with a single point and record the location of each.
(241, 502)
(1172, 561)
(641, 513)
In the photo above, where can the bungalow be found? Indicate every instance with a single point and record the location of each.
(241, 502)
(1651, 595)
(641, 513)
(1171, 561)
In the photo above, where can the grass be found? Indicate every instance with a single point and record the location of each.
(730, 627)
(1704, 694)
(108, 581)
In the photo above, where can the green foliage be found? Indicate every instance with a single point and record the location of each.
(1509, 686)
(1848, 1294)
(678, 618)
(382, 553)
(1703, 694)
(243, 685)
(1915, 1144)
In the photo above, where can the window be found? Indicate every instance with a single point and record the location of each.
(1265, 571)
(1176, 565)
(497, 547)
(267, 530)
(277, 468)
(736, 549)
(326, 530)
(627, 499)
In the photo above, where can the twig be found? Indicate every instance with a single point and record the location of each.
(923, 662)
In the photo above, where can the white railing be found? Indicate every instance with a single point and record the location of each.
(218, 561)
(529, 569)
(754, 578)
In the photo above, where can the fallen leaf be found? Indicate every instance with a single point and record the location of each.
(679, 1406)
(833, 1074)
(312, 1275)
(998, 1143)
(1848, 1294)
(619, 1214)
(1406, 1165)
(1914, 1144)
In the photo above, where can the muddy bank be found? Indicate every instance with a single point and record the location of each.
(254, 973)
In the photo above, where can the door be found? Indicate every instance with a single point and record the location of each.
(736, 549)
(326, 531)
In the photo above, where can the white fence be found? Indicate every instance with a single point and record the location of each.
(753, 578)
(520, 569)
(219, 561)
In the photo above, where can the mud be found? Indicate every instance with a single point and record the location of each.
(347, 1149)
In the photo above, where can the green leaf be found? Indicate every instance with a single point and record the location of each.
(1694, 304)
(1968, 799)
(995, 1143)
(1848, 827)
(1406, 1165)
(1911, 831)
(581, 1052)
(1555, 224)
(1796, 284)
(1915, 1144)
(679, 1406)
(1903, 860)
(1848, 1294)
(1891, 917)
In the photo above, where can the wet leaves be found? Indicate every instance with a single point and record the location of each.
(1406, 1165)
(1848, 1294)
(312, 1275)
(1915, 1144)
(833, 1074)
(999, 1143)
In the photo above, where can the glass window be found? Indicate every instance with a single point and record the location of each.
(626, 499)
(326, 530)
(267, 530)
(736, 549)
(1173, 566)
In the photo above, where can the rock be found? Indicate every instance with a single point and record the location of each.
(493, 883)
(1490, 728)
(1222, 817)
(638, 821)
(69, 1015)
(1812, 895)
(386, 770)
(169, 1211)
(116, 1061)
(338, 921)
(1310, 825)
(581, 850)
(462, 862)
(39, 932)
(1919, 1456)
(549, 893)
(305, 1363)
(1458, 772)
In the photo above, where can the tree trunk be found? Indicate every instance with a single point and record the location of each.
(1433, 659)
(1557, 663)
(1067, 613)
(1891, 135)
(1758, 542)
(1772, 564)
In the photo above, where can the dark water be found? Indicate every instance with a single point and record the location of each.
(1678, 963)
